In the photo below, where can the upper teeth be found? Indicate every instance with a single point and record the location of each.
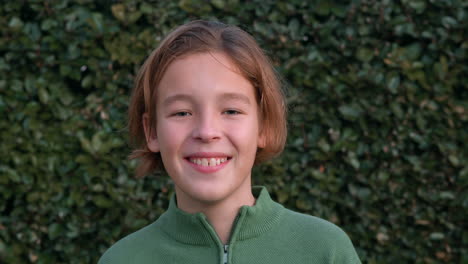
(208, 161)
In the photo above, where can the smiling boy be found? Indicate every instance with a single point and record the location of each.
(207, 133)
(206, 107)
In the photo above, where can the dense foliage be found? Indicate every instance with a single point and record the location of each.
(378, 121)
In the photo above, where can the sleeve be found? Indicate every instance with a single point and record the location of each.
(344, 251)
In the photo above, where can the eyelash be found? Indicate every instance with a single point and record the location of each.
(182, 114)
(231, 112)
(186, 113)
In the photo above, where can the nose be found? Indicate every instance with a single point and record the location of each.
(207, 128)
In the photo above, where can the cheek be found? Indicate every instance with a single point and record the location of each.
(170, 137)
(246, 132)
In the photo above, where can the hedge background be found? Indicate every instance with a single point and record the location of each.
(378, 121)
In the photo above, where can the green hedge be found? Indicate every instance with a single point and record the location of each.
(378, 121)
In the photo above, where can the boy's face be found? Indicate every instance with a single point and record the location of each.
(207, 128)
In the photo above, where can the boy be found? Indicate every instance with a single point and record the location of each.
(206, 107)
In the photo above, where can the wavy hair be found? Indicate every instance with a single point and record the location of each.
(199, 37)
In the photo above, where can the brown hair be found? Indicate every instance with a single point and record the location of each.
(198, 37)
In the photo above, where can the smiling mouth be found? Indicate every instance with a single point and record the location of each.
(208, 162)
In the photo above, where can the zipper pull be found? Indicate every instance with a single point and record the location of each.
(225, 258)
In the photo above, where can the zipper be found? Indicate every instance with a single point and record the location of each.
(225, 257)
(232, 235)
(224, 248)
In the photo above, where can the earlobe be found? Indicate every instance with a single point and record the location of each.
(151, 138)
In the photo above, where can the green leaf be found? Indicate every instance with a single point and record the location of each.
(441, 68)
(393, 84)
(437, 236)
(418, 5)
(97, 22)
(43, 95)
(323, 145)
(353, 161)
(195, 7)
(303, 204)
(15, 23)
(87, 81)
(350, 112)
(413, 51)
(55, 230)
(323, 8)
(454, 160)
(447, 195)
(365, 54)
(102, 201)
(66, 97)
(118, 10)
(449, 22)
(96, 142)
(48, 24)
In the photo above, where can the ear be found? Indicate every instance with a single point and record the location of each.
(151, 138)
(261, 140)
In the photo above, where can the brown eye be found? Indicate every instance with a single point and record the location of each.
(182, 114)
(231, 112)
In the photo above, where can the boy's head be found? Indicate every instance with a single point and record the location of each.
(208, 37)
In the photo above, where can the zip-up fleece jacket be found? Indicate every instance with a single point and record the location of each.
(266, 233)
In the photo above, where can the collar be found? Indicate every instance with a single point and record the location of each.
(194, 229)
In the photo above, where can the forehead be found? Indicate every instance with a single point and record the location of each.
(203, 75)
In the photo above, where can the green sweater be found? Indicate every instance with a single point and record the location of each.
(265, 233)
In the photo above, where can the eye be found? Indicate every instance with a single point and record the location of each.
(231, 112)
(182, 114)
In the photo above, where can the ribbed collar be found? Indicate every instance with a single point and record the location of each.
(195, 229)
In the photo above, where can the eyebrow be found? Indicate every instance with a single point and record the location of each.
(236, 96)
(224, 97)
(178, 97)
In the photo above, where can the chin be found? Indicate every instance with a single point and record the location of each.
(211, 196)
(209, 193)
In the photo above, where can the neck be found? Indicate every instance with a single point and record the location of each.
(221, 214)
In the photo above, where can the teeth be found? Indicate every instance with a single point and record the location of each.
(208, 161)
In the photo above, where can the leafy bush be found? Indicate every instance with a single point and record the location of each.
(378, 121)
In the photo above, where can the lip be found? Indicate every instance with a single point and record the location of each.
(207, 169)
(207, 155)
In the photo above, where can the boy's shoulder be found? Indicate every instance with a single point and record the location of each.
(132, 247)
(311, 232)
(313, 225)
